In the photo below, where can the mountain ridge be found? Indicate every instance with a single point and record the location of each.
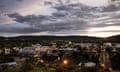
(115, 38)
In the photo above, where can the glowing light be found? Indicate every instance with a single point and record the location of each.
(65, 62)
(102, 65)
(41, 61)
(58, 58)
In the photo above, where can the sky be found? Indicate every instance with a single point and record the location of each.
(99, 18)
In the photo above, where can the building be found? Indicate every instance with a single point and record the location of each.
(36, 49)
(9, 63)
(7, 51)
(108, 44)
(27, 51)
(116, 45)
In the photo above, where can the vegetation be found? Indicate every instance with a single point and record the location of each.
(115, 61)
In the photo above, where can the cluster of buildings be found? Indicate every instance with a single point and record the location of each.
(39, 48)
(52, 53)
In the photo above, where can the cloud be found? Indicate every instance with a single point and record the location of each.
(2, 6)
(111, 8)
(63, 20)
(16, 28)
(70, 18)
(20, 0)
(50, 23)
(95, 3)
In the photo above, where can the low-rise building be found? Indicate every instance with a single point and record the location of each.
(7, 51)
(9, 63)
(36, 49)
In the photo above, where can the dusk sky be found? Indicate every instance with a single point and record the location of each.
(59, 17)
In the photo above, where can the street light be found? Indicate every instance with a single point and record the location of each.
(65, 62)
(102, 65)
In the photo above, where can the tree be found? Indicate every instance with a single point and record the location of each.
(115, 61)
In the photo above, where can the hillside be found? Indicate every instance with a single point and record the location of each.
(115, 38)
(73, 38)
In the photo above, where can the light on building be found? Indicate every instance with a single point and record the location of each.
(58, 58)
(41, 61)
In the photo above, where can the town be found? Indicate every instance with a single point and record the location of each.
(61, 56)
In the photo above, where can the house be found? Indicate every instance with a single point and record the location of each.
(86, 44)
(27, 51)
(116, 45)
(68, 49)
(9, 63)
(36, 49)
(87, 64)
(7, 51)
(90, 64)
(108, 44)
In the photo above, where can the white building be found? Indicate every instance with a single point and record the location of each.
(108, 44)
(9, 63)
(29, 50)
(116, 45)
(36, 49)
(7, 51)
(84, 44)
(68, 49)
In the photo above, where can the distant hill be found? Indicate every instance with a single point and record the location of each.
(76, 38)
(2, 38)
(54, 38)
(115, 38)
(72, 38)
